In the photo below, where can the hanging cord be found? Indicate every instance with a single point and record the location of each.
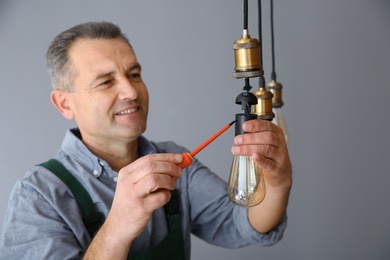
(247, 86)
(273, 74)
(260, 31)
(261, 78)
(245, 14)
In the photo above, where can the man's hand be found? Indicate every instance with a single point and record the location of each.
(264, 141)
(143, 186)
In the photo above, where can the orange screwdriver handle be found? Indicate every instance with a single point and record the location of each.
(187, 160)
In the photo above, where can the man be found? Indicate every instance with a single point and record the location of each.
(97, 82)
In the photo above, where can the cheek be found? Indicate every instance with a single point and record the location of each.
(146, 98)
(91, 109)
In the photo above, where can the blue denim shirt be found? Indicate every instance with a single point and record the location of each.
(43, 220)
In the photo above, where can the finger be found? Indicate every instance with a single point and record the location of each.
(260, 126)
(157, 199)
(267, 145)
(258, 138)
(158, 157)
(152, 183)
(265, 163)
(277, 173)
(267, 151)
(150, 164)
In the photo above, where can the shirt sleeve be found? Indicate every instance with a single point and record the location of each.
(34, 228)
(216, 219)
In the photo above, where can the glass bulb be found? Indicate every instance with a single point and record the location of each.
(279, 121)
(246, 185)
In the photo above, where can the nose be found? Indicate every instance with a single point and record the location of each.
(127, 90)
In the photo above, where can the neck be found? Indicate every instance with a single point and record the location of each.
(116, 154)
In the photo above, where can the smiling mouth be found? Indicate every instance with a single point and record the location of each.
(128, 111)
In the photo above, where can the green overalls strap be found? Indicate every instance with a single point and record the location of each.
(93, 219)
(172, 246)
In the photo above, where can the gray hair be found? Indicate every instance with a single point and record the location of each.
(61, 70)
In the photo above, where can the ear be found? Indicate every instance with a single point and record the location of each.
(61, 101)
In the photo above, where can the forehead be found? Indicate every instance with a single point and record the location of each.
(90, 54)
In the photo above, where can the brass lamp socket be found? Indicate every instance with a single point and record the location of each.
(247, 57)
(276, 89)
(263, 109)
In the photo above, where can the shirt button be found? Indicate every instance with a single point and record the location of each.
(95, 173)
(115, 179)
(101, 163)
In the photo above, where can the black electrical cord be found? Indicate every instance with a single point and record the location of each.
(261, 78)
(260, 31)
(247, 86)
(245, 14)
(273, 74)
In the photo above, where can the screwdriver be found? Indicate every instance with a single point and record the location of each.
(188, 157)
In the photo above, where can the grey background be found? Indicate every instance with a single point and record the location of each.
(331, 56)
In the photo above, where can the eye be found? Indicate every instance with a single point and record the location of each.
(135, 76)
(106, 83)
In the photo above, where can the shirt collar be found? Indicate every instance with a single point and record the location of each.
(75, 148)
(146, 147)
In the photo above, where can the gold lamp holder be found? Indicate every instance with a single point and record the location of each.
(247, 57)
(263, 108)
(276, 89)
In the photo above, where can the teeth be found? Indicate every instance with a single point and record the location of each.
(128, 111)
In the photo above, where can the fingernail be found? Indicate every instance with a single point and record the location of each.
(238, 139)
(235, 149)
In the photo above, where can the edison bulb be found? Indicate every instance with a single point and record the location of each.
(279, 121)
(246, 185)
(277, 104)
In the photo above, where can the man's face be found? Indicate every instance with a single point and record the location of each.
(110, 101)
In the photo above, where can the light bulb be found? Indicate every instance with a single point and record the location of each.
(246, 186)
(277, 104)
(279, 121)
